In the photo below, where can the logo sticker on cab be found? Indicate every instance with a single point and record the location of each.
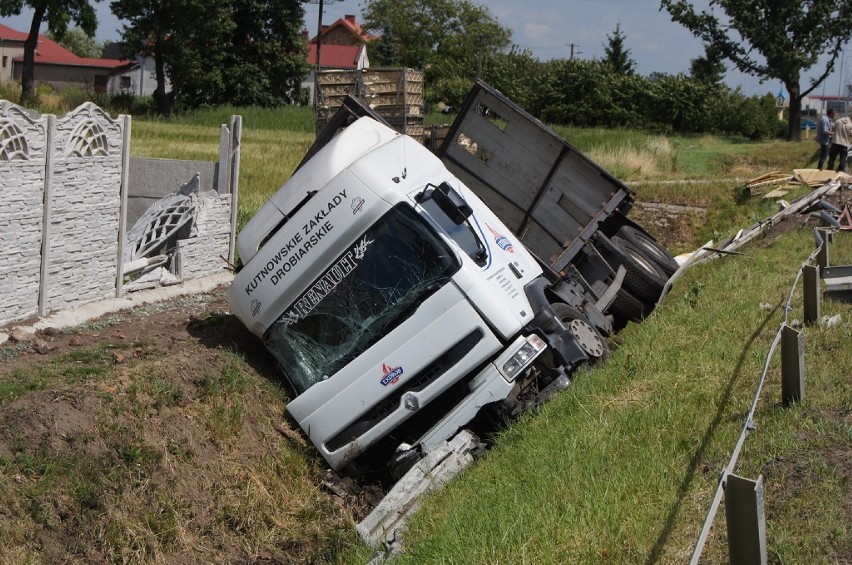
(391, 375)
(501, 240)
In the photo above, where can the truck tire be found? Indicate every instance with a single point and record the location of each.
(588, 337)
(626, 308)
(652, 250)
(643, 278)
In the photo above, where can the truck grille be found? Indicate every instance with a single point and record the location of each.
(416, 384)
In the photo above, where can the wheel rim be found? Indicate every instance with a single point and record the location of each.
(588, 339)
(642, 262)
(652, 250)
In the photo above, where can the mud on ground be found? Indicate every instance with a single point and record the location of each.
(159, 434)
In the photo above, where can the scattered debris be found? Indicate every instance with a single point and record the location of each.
(816, 178)
(384, 526)
(769, 181)
(22, 335)
(831, 321)
(777, 184)
(845, 218)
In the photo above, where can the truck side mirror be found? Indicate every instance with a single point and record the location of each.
(451, 203)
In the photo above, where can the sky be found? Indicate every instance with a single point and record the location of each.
(549, 27)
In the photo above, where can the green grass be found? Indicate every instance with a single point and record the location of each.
(274, 141)
(61, 371)
(620, 468)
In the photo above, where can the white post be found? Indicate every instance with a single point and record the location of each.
(236, 133)
(122, 213)
(47, 208)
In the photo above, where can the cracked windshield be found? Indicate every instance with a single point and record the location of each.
(376, 284)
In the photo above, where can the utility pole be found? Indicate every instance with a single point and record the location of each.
(572, 46)
(319, 43)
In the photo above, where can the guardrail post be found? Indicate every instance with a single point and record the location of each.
(746, 521)
(811, 293)
(792, 365)
(822, 256)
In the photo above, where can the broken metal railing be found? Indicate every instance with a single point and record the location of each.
(746, 235)
(756, 548)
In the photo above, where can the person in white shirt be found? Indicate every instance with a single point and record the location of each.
(840, 143)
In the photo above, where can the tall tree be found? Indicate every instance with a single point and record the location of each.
(240, 52)
(150, 25)
(385, 51)
(709, 68)
(76, 41)
(58, 14)
(451, 39)
(773, 39)
(616, 55)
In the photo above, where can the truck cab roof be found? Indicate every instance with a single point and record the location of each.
(351, 144)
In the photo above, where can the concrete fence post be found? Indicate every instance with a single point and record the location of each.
(810, 279)
(236, 133)
(792, 365)
(122, 213)
(49, 151)
(746, 522)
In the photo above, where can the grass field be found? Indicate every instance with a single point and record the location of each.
(622, 466)
(274, 141)
(190, 460)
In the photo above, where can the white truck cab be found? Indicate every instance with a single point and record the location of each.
(394, 300)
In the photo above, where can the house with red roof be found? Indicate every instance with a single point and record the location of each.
(343, 46)
(56, 65)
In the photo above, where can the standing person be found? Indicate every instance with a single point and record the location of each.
(840, 144)
(824, 133)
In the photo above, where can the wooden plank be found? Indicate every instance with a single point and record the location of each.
(777, 193)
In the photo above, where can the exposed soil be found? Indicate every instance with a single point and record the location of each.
(179, 446)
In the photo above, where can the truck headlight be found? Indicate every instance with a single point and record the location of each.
(522, 357)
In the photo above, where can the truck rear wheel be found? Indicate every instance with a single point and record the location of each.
(627, 308)
(643, 278)
(588, 337)
(652, 250)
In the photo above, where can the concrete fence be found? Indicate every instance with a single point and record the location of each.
(69, 191)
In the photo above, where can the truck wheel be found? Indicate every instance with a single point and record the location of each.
(587, 336)
(643, 278)
(652, 250)
(627, 308)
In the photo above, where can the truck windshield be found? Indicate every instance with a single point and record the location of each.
(371, 288)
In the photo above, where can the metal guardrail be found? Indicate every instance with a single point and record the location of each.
(756, 547)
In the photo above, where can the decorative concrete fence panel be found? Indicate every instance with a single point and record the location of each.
(68, 197)
(84, 207)
(22, 182)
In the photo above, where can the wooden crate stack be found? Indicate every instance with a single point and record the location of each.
(395, 94)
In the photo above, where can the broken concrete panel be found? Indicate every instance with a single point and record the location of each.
(151, 179)
(201, 256)
(386, 523)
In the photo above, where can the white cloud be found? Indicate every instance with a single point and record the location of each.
(534, 31)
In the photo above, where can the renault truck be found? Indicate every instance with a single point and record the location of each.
(403, 292)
